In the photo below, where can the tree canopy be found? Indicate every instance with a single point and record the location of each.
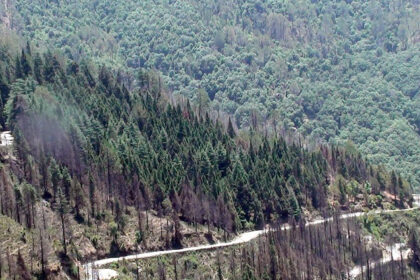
(333, 70)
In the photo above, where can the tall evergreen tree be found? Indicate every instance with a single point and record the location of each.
(63, 209)
(230, 129)
(414, 243)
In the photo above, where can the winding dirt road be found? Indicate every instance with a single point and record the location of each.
(392, 253)
(92, 270)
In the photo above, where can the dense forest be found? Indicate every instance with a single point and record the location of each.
(87, 150)
(332, 70)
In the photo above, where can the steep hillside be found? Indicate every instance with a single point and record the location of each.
(331, 250)
(91, 160)
(333, 70)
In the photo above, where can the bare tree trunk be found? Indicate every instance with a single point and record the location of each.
(64, 233)
(42, 254)
(137, 270)
(9, 262)
(175, 267)
(32, 256)
(147, 220)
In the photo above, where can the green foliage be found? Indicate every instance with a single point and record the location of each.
(139, 237)
(90, 137)
(414, 243)
(393, 227)
(74, 270)
(334, 70)
(113, 229)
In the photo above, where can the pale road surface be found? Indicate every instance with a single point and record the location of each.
(6, 139)
(416, 199)
(391, 253)
(92, 270)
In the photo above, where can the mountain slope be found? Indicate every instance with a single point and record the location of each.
(90, 157)
(335, 71)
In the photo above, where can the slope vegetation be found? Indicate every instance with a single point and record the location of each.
(337, 71)
(91, 158)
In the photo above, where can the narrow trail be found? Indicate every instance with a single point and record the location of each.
(92, 270)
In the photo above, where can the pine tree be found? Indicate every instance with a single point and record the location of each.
(343, 193)
(230, 129)
(177, 238)
(219, 267)
(394, 184)
(26, 67)
(79, 201)
(294, 204)
(92, 197)
(38, 66)
(56, 177)
(62, 208)
(4, 89)
(28, 48)
(22, 271)
(18, 68)
(143, 79)
(66, 183)
(48, 71)
(414, 244)
(258, 216)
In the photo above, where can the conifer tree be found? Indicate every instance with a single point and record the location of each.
(414, 243)
(343, 194)
(25, 66)
(62, 208)
(38, 66)
(18, 68)
(230, 129)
